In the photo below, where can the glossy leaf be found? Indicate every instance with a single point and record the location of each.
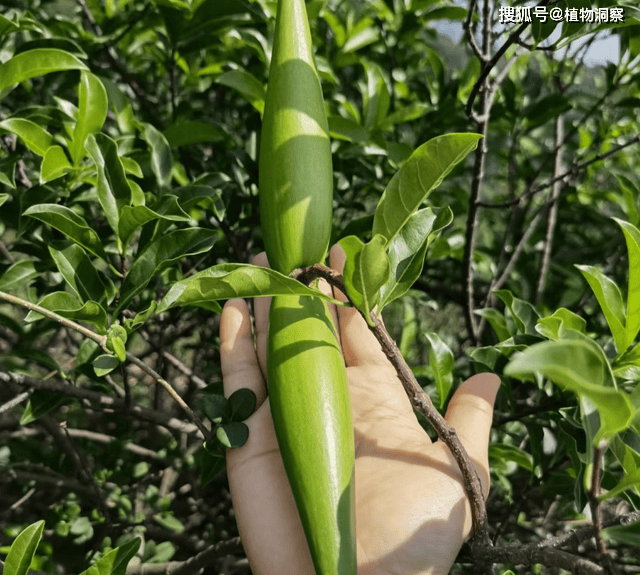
(70, 224)
(241, 404)
(92, 112)
(552, 326)
(408, 249)
(610, 299)
(418, 177)
(67, 305)
(227, 281)
(160, 254)
(19, 274)
(189, 133)
(441, 362)
(247, 84)
(523, 313)
(40, 404)
(366, 270)
(233, 435)
(632, 237)
(36, 138)
(104, 364)
(161, 158)
(114, 191)
(115, 561)
(497, 321)
(580, 366)
(55, 164)
(78, 271)
(34, 63)
(24, 547)
(376, 98)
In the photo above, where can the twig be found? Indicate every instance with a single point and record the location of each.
(17, 400)
(102, 341)
(419, 399)
(594, 502)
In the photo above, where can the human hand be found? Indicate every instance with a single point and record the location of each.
(412, 514)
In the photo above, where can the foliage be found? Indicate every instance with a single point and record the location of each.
(128, 202)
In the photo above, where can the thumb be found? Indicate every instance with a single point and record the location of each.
(470, 413)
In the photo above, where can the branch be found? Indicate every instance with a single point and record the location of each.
(419, 399)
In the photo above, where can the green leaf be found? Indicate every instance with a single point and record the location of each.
(78, 271)
(114, 191)
(213, 405)
(579, 366)
(24, 547)
(187, 133)
(210, 464)
(227, 281)
(497, 321)
(241, 404)
(161, 158)
(36, 63)
(92, 112)
(366, 270)
(115, 561)
(36, 138)
(19, 274)
(610, 299)
(55, 164)
(418, 177)
(346, 129)
(70, 224)
(40, 404)
(104, 364)
(508, 452)
(247, 84)
(523, 313)
(441, 363)
(552, 326)
(134, 217)
(361, 35)
(632, 237)
(67, 305)
(116, 341)
(159, 255)
(624, 534)
(408, 249)
(376, 99)
(233, 435)
(131, 324)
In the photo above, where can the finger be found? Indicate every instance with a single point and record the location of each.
(237, 353)
(359, 345)
(470, 413)
(261, 307)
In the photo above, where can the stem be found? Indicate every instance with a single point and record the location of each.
(419, 399)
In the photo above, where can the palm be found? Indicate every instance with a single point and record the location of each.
(411, 511)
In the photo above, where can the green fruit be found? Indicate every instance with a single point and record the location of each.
(295, 169)
(311, 412)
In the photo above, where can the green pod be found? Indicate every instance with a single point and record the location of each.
(295, 169)
(311, 412)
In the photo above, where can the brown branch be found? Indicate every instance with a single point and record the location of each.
(419, 399)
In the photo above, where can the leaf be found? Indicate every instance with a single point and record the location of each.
(134, 217)
(624, 534)
(40, 404)
(508, 452)
(241, 404)
(78, 271)
(70, 224)
(228, 281)
(441, 364)
(92, 112)
(418, 177)
(213, 405)
(408, 249)
(24, 547)
(36, 63)
(114, 191)
(232, 435)
(55, 164)
(115, 561)
(366, 270)
(497, 321)
(36, 138)
(161, 158)
(186, 133)
(116, 341)
(552, 326)
(247, 84)
(67, 305)
(361, 35)
(523, 313)
(346, 129)
(19, 274)
(376, 99)
(579, 366)
(104, 364)
(210, 465)
(610, 299)
(632, 237)
(159, 255)
(132, 324)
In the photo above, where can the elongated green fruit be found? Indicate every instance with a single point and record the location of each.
(295, 170)
(312, 417)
